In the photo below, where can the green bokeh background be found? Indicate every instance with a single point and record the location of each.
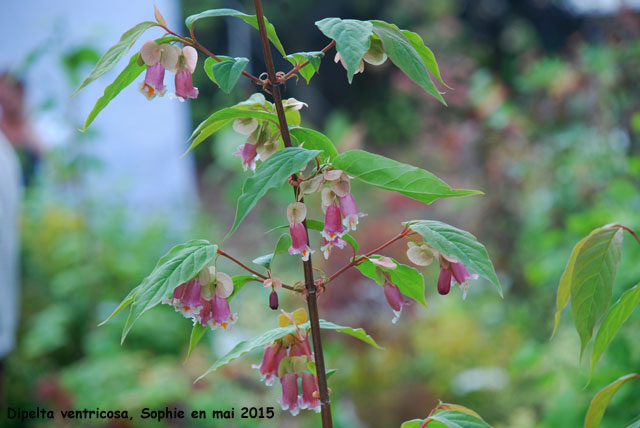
(543, 117)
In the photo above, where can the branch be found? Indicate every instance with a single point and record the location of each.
(356, 261)
(310, 286)
(239, 263)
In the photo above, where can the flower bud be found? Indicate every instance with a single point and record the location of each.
(273, 300)
(393, 295)
(444, 281)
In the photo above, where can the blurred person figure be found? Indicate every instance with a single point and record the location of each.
(15, 126)
(10, 178)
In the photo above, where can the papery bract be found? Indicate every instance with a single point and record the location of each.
(421, 255)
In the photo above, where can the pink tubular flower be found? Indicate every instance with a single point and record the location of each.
(450, 269)
(157, 58)
(187, 61)
(273, 355)
(184, 86)
(186, 299)
(153, 83)
(300, 348)
(309, 398)
(393, 295)
(249, 155)
(332, 225)
(328, 246)
(214, 294)
(349, 211)
(222, 316)
(289, 399)
(394, 298)
(299, 243)
(444, 281)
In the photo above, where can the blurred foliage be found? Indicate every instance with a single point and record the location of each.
(543, 118)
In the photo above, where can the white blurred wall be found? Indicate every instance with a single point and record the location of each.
(139, 142)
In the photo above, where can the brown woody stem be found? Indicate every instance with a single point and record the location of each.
(312, 296)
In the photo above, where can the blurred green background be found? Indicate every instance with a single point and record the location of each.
(544, 117)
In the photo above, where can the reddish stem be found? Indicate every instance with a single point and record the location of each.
(357, 261)
(242, 265)
(310, 286)
(302, 64)
(239, 263)
(628, 230)
(197, 44)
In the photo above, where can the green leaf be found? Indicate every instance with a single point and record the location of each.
(125, 302)
(261, 341)
(457, 419)
(225, 73)
(564, 288)
(124, 79)
(249, 19)
(413, 423)
(314, 58)
(282, 246)
(352, 39)
(115, 53)
(425, 53)
(409, 281)
(601, 401)
(391, 175)
(219, 119)
(611, 323)
(458, 244)
(402, 53)
(314, 140)
(635, 424)
(197, 333)
(594, 272)
(239, 281)
(182, 263)
(271, 174)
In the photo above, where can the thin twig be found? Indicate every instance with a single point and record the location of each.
(303, 64)
(356, 261)
(239, 263)
(628, 230)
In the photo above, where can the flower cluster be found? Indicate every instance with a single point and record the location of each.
(166, 56)
(338, 204)
(287, 359)
(451, 269)
(262, 141)
(204, 299)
